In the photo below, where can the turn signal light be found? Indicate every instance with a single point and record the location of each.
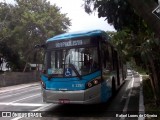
(93, 83)
(89, 84)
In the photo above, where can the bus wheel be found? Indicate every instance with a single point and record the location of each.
(113, 87)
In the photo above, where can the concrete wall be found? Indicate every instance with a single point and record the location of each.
(14, 78)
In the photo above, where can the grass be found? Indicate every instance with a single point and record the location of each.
(149, 101)
(140, 70)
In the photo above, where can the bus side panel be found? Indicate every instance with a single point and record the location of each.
(106, 91)
(93, 95)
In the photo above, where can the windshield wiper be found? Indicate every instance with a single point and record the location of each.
(75, 70)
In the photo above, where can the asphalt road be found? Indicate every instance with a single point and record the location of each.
(27, 98)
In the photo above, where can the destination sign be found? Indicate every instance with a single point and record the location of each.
(69, 43)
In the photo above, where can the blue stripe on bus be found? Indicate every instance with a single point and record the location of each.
(73, 83)
(88, 33)
(106, 92)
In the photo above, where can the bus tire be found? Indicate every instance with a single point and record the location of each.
(113, 87)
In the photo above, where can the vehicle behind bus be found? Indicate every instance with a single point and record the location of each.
(81, 68)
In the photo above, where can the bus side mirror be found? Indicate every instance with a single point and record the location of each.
(43, 71)
(37, 46)
(40, 46)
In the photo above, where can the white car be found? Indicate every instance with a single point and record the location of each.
(129, 72)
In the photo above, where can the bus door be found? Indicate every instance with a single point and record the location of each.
(116, 65)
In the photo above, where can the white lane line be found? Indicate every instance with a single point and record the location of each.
(22, 104)
(19, 93)
(127, 101)
(44, 108)
(129, 95)
(25, 98)
(141, 101)
(127, 88)
(16, 118)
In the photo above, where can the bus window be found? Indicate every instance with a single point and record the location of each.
(110, 57)
(114, 59)
(85, 60)
(56, 63)
(106, 57)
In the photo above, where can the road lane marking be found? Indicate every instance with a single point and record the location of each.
(18, 93)
(141, 101)
(22, 104)
(25, 98)
(44, 108)
(125, 96)
(129, 95)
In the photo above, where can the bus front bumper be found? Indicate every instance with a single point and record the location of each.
(88, 96)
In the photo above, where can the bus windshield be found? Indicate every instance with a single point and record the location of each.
(73, 62)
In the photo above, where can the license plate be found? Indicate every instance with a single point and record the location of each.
(64, 101)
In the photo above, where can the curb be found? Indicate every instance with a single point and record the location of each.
(141, 100)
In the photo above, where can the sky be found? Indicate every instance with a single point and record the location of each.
(80, 20)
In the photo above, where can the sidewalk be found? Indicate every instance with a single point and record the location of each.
(17, 87)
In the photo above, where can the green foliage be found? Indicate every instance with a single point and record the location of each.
(149, 93)
(117, 12)
(149, 102)
(27, 23)
(11, 57)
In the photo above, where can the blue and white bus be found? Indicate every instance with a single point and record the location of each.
(81, 68)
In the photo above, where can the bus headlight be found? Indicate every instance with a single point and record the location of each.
(94, 82)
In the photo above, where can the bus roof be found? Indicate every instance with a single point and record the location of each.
(77, 34)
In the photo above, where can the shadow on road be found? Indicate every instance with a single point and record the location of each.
(77, 110)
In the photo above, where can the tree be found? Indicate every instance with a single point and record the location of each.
(144, 9)
(9, 56)
(120, 13)
(30, 22)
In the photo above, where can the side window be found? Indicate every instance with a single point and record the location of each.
(48, 59)
(114, 59)
(106, 56)
(56, 59)
(110, 57)
(120, 63)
